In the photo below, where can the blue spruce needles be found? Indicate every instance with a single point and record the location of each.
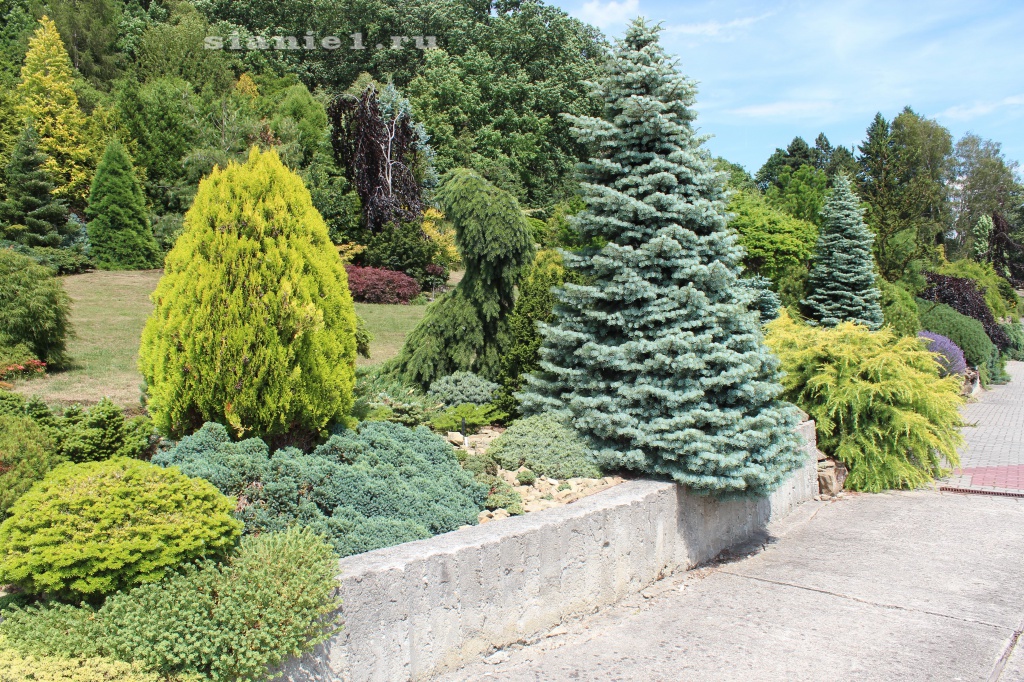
(657, 359)
(842, 280)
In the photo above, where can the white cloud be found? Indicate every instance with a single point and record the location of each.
(610, 13)
(966, 112)
(786, 109)
(715, 29)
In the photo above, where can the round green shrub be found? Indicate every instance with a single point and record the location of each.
(230, 621)
(966, 332)
(17, 668)
(547, 446)
(526, 477)
(34, 308)
(26, 456)
(88, 530)
(253, 324)
(462, 387)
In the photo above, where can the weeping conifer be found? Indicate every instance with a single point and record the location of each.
(656, 358)
(842, 280)
(465, 330)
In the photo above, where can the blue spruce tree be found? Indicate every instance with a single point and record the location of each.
(841, 283)
(656, 357)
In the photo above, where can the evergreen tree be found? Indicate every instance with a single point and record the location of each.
(656, 357)
(33, 215)
(981, 232)
(120, 236)
(253, 324)
(842, 280)
(465, 330)
(47, 97)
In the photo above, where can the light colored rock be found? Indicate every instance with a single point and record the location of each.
(455, 438)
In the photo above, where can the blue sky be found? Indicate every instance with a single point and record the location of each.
(768, 71)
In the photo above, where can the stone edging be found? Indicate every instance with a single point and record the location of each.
(420, 608)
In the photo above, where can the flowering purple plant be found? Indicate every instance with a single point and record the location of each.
(950, 357)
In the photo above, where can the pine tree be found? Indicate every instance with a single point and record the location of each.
(47, 97)
(120, 237)
(841, 284)
(33, 215)
(982, 232)
(656, 358)
(253, 324)
(465, 330)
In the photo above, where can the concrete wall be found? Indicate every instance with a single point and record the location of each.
(423, 607)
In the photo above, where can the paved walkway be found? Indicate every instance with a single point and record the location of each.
(904, 586)
(993, 459)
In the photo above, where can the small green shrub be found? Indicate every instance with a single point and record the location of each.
(26, 456)
(232, 621)
(526, 477)
(547, 446)
(102, 432)
(462, 387)
(34, 308)
(91, 529)
(878, 402)
(966, 332)
(383, 485)
(476, 416)
(501, 495)
(899, 309)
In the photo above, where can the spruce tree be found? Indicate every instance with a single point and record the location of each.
(120, 237)
(656, 357)
(465, 330)
(253, 324)
(46, 96)
(841, 283)
(33, 215)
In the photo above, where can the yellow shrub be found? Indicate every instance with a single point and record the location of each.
(442, 232)
(17, 668)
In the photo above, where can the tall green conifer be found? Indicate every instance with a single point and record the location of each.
(120, 236)
(841, 286)
(657, 358)
(33, 215)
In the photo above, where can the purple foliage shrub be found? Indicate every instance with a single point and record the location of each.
(950, 357)
(963, 296)
(377, 285)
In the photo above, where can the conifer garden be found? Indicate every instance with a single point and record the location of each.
(574, 271)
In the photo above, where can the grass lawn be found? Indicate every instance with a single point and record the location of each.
(108, 312)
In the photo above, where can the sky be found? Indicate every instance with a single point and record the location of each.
(768, 71)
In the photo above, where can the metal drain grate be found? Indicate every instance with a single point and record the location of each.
(975, 491)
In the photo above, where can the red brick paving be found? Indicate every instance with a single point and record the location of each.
(1011, 477)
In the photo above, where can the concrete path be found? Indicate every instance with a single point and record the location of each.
(901, 586)
(993, 459)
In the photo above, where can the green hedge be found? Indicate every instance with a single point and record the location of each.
(966, 332)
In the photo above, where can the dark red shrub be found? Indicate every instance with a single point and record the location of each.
(963, 296)
(377, 285)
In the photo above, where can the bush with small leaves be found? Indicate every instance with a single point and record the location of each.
(34, 308)
(546, 445)
(17, 668)
(231, 621)
(383, 485)
(963, 295)
(26, 456)
(88, 530)
(1015, 332)
(948, 354)
(501, 495)
(526, 477)
(463, 387)
(377, 285)
(102, 432)
(899, 309)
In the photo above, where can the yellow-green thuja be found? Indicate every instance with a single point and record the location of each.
(253, 324)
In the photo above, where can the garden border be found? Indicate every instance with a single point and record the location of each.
(421, 608)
